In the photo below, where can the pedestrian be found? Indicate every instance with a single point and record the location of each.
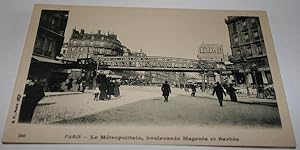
(166, 91)
(79, 80)
(231, 91)
(211, 87)
(96, 94)
(103, 86)
(116, 89)
(83, 86)
(110, 89)
(219, 91)
(70, 84)
(103, 93)
(193, 88)
(33, 93)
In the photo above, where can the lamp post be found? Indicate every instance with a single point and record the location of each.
(244, 64)
(202, 72)
(97, 60)
(253, 71)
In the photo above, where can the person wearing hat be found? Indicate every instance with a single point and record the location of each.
(166, 91)
(219, 92)
(33, 93)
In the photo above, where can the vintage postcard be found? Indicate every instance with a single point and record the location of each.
(117, 75)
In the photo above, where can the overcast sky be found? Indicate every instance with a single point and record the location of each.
(159, 32)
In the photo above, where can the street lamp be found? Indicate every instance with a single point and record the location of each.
(244, 64)
(254, 74)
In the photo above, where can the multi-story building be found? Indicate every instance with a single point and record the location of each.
(91, 45)
(48, 43)
(248, 51)
(85, 47)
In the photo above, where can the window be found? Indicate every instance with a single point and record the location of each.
(108, 52)
(253, 22)
(53, 21)
(39, 42)
(255, 34)
(237, 52)
(259, 49)
(74, 42)
(234, 28)
(269, 77)
(81, 49)
(90, 49)
(249, 52)
(236, 40)
(246, 37)
(80, 56)
(101, 50)
(244, 23)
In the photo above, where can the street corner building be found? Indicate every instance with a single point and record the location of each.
(249, 54)
(48, 43)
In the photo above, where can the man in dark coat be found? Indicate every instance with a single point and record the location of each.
(34, 92)
(166, 90)
(103, 85)
(231, 91)
(219, 91)
(110, 89)
(70, 84)
(193, 88)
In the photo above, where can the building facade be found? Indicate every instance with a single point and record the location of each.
(248, 51)
(47, 47)
(91, 45)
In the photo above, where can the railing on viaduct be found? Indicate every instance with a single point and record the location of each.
(153, 63)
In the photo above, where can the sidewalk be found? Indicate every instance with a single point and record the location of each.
(49, 94)
(56, 108)
(241, 97)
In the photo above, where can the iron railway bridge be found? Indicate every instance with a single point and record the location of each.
(147, 63)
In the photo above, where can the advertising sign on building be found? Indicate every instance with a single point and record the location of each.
(211, 51)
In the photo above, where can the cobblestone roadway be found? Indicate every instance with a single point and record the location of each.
(185, 110)
(144, 105)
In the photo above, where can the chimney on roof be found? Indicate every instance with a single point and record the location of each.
(99, 32)
(82, 31)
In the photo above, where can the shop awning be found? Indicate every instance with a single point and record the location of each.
(46, 60)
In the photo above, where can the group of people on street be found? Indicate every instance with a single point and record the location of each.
(80, 82)
(218, 90)
(34, 92)
(106, 88)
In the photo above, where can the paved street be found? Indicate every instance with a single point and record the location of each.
(145, 106)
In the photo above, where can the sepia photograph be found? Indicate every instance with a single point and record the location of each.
(148, 76)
